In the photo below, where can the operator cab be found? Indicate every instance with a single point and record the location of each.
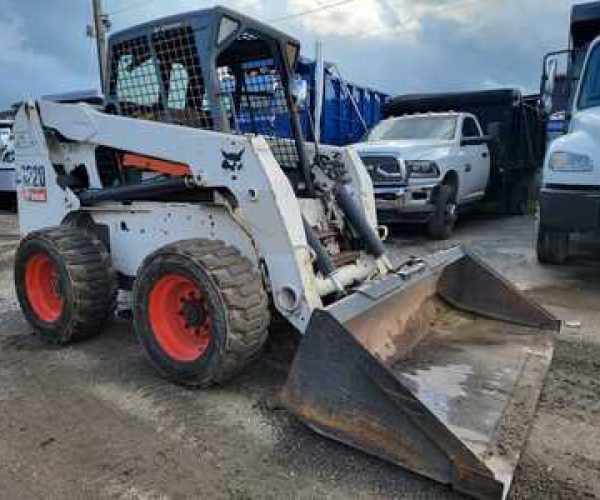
(212, 69)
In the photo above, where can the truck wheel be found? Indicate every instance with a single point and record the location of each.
(442, 222)
(200, 311)
(552, 245)
(65, 283)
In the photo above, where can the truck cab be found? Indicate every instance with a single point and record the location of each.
(570, 195)
(426, 166)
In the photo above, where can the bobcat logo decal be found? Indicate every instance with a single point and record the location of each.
(232, 160)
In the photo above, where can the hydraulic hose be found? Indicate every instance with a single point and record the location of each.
(324, 262)
(143, 190)
(358, 221)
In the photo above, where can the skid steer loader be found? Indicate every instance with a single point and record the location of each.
(435, 364)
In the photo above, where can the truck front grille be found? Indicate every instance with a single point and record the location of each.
(384, 169)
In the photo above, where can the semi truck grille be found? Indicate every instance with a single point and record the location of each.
(384, 169)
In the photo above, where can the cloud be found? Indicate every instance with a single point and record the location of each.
(380, 19)
(394, 45)
(355, 18)
(31, 69)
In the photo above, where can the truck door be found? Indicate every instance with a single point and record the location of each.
(475, 158)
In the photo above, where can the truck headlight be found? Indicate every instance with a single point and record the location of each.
(561, 161)
(422, 169)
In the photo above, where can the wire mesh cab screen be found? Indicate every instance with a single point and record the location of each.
(254, 93)
(158, 77)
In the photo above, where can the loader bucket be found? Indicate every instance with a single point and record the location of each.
(438, 371)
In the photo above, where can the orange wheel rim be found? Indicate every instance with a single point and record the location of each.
(42, 286)
(180, 317)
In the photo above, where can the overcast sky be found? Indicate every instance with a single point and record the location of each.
(396, 46)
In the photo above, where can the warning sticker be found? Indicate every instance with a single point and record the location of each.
(33, 183)
(34, 194)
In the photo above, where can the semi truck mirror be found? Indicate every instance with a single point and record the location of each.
(549, 84)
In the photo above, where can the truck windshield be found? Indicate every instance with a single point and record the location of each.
(589, 95)
(414, 127)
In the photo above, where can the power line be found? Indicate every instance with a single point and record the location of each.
(131, 6)
(136, 5)
(310, 11)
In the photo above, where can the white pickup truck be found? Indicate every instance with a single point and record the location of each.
(426, 167)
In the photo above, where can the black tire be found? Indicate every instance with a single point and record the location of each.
(441, 225)
(82, 284)
(552, 245)
(229, 293)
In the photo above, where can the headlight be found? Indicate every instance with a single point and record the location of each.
(570, 162)
(422, 169)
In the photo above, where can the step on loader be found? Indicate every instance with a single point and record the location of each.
(435, 364)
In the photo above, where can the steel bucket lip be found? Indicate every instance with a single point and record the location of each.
(415, 270)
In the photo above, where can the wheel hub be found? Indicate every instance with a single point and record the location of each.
(43, 287)
(180, 317)
(193, 310)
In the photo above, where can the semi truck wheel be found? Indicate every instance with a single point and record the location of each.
(552, 245)
(65, 283)
(200, 311)
(441, 225)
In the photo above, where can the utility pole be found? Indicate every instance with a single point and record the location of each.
(101, 26)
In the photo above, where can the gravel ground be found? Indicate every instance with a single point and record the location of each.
(94, 420)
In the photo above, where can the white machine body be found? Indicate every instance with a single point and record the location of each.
(265, 224)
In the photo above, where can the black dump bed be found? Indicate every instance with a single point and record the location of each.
(585, 24)
(520, 146)
(455, 101)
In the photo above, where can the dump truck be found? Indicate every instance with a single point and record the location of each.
(436, 155)
(434, 364)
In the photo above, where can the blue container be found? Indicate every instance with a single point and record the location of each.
(340, 123)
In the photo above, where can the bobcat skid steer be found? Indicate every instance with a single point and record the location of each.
(178, 191)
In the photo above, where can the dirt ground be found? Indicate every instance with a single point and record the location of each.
(94, 419)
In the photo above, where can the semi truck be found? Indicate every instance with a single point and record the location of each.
(570, 194)
(435, 155)
(562, 68)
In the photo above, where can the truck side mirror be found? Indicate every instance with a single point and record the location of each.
(549, 83)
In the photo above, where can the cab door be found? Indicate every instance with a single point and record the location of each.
(475, 158)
